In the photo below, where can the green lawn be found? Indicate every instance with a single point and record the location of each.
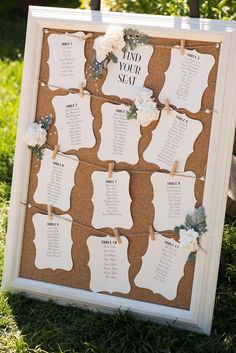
(32, 326)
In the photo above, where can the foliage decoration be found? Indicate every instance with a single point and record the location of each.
(190, 232)
(115, 38)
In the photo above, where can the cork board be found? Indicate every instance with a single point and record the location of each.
(141, 191)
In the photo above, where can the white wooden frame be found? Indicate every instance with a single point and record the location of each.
(199, 317)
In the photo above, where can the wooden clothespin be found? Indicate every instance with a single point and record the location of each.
(49, 207)
(110, 170)
(81, 89)
(182, 46)
(151, 231)
(167, 106)
(55, 151)
(88, 35)
(117, 235)
(173, 169)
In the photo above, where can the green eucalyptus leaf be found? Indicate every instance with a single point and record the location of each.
(192, 257)
(176, 230)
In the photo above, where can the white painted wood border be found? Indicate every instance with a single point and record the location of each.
(199, 317)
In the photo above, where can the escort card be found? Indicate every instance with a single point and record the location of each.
(74, 121)
(109, 265)
(119, 136)
(53, 242)
(128, 75)
(162, 267)
(173, 199)
(55, 180)
(173, 140)
(111, 200)
(186, 79)
(66, 60)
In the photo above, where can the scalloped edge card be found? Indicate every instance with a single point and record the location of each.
(128, 75)
(172, 140)
(55, 180)
(119, 135)
(162, 266)
(53, 242)
(66, 60)
(74, 121)
(108, 264)
(111, 200)
(186, 79)
(173, 198)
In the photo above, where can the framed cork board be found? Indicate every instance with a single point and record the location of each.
(118, 200)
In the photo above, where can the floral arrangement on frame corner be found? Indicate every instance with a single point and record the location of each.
(191, 231)
(36, 134)
(115, 38)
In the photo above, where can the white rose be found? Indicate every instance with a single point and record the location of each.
(188, 239)
(35, 135)
(146, 113)
(115, 35)
(103, 47)
(144, 94)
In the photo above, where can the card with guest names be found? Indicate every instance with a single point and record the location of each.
(56, 180)
(66, 60)
(53, 242)
(108, 264)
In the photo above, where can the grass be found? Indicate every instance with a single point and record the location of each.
(32, 326)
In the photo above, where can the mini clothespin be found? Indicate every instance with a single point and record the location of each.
(55, 151)
(88, 35)
(167, 106)
(81, 89)
(49, 207)
(151, 231)
(110, 170)
(173, 169)
(117, 235)
(182, 46)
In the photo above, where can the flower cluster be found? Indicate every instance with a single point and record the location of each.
(115, 38)
(144, 108)
(190, 232)
(36, 134)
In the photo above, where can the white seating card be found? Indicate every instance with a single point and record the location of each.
(74, 121)
(119, 136)
(172, 140)
(186, 79)
(111, 200)
(109, 265)
(55, 180)
(126, 76)
(66, 60)
(173, 199)
(53, 242)
(162, 266)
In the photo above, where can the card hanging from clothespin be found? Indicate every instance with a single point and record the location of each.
(117, 235)
(88, 36)
(182, 46)
(81, 89)
(167, 106)
(174, 168)
(151, 232)
(110, 170)
(55, 151)
(49, 207)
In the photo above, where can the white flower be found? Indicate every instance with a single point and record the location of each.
(147, 112)
(188, 239)
(143, 94)
(35, 135)
(115, 35)
(103, 47)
